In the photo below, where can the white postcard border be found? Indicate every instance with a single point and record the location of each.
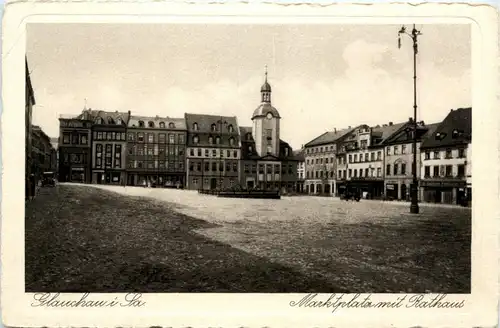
(253, 310)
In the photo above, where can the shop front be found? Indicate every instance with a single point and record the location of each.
(159, 180)
(445, 192)
(367, 188)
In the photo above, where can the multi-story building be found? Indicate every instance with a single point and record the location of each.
(301, 169)
(213, 151)
(363, 158)
(75, 156)
(398, 159)
(320, 163)
(29, 102)
(41, 152)
(268, 163)
(444, 160)
(156, 151)
(108, 146)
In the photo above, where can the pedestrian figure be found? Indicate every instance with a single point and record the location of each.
(32, 184)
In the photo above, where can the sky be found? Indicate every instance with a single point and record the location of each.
(322, 76)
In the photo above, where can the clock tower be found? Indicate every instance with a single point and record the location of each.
(266, 124)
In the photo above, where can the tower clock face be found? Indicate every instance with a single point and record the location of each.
(269, 116)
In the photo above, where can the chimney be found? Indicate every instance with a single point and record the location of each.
(116, 111)
(390, 123)
(410, 119)
(335, 130)
(128, 113)
(422, 123)
(349, 127)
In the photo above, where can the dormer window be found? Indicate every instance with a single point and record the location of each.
(249, 136)
(162, 125)
(455, 133)
(196, 139)
(151, 124)
(99, 120)
(141, 124)
(171, 125)
(210, 140)
(250, 149)
(195, 126)
(286, 151)
(118, 121)
(230, 128)
(213, 127)
(217, 140)
(231, 141)
(110, 120)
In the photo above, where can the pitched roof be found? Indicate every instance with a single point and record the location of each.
(456, 129)
(385, 131)
(299, 154)
(178, 123)
(328, 137)
(205, 122)
(205, 132)
(108, 116)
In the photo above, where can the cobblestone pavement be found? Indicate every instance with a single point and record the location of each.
(367, 246)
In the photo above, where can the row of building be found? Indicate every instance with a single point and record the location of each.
(196, 151)
(40, 149)
(209, 151)
(378, 161)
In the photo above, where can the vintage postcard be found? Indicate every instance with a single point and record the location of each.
(249, 165)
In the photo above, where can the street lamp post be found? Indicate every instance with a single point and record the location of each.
(414, 187)
(221, 124)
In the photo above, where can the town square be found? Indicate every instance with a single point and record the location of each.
(191, 170)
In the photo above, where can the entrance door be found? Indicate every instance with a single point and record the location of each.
(403, 192)
(130, 180)
(250, 184)
(99, 178)
(213, 183)
(327, 189)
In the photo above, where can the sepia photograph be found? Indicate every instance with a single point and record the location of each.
(248, 158)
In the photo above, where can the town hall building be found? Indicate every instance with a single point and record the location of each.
(267, 161)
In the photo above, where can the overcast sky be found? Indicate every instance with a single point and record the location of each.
(323, 76)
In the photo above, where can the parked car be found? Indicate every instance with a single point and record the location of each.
(48, 179)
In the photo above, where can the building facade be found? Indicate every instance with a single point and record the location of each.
(444, 160)
(213, 151)
(321, 163)
(75, 155)
(398, 150)
(268, 162)
(156, 151)
(29, 102)
(301, 169)
(42, 152)
(108, 146)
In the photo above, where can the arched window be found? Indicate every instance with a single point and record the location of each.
(171, 125)
(196, 139)
(141, 124)
(250, 149)
(151, 124)
(162, 125)
(110, 120)
(231, 141)
(217, 140)
(99, 120)
(195, 126)
(119, 121)
(230, 128)
(214, 127)
(210, 140)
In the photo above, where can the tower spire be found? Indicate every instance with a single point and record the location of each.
(265, 90)
(85, 104)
